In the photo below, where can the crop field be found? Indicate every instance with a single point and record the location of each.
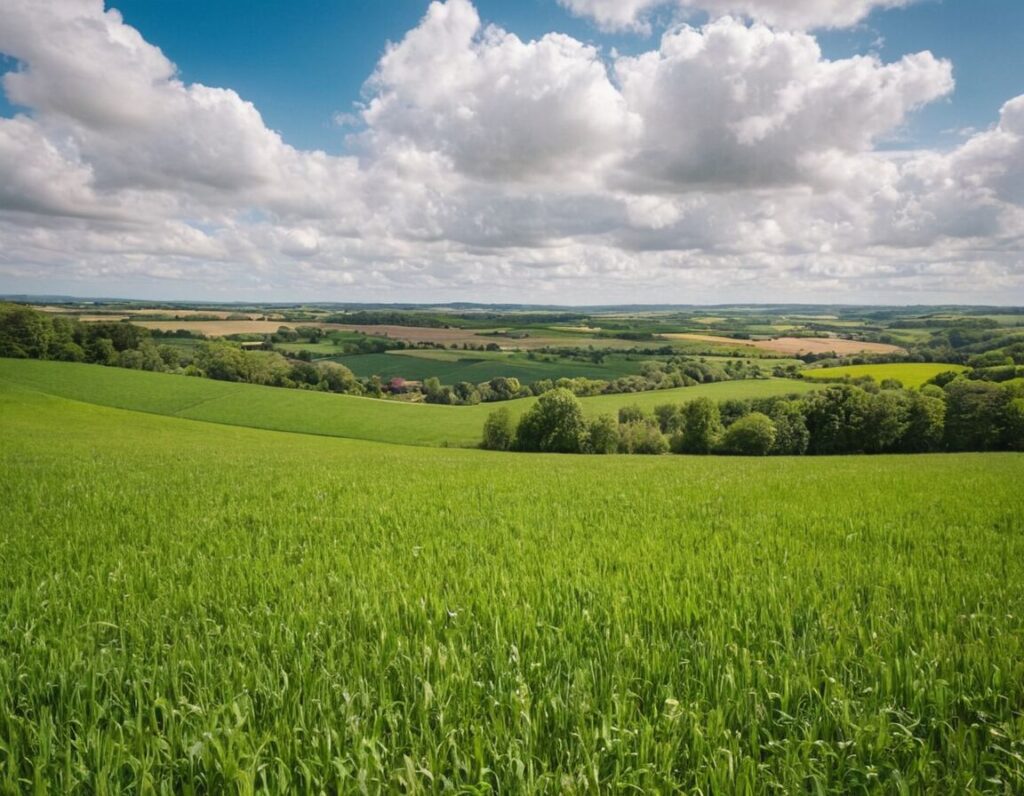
(194, 608)
(217, 328)
(794, 345)
(911, 374)
(322, 413)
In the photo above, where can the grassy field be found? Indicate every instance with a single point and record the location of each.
(192, 608)
(911, 374)
(467, 366)
(321, 413)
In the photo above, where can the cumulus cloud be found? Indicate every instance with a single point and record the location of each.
(496, 106)
(788, 14)
(734, 105)
(731, 161)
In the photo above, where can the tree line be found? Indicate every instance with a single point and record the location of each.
(27, 333)
(842, 419)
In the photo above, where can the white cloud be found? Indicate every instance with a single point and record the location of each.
(731, 162)
(732, 105)
(495, 106)
(788, 14)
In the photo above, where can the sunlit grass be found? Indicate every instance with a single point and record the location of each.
(192, 608)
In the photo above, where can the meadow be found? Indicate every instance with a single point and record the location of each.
(911, 374)
(197, 608)
(321, 413)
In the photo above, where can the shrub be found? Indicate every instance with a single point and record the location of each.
(642, 438)
(751, 435)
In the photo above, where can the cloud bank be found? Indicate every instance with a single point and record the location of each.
(732, 161)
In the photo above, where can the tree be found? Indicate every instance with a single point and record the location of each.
(555, 424)
(499, 431)
(1015, 425)
(885, 422)
(836, 418)
(975, 415)
(701, 428)
(467, 394)
(602, 435)
(732, 410)
(669, 418)
(101, 351)
(24, 332)
(791, 434)
(504, 388)
(925, 423)
(337, 378)
(436, 393)
(751, 435)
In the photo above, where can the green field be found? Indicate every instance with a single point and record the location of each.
(321, 413)
(194, 608)
(911, 374)
(470, 367)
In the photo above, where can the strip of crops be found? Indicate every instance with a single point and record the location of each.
(193, 608)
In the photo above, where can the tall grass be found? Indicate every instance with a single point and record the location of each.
(191, 608)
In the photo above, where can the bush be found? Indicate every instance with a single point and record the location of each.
(751, 435)
(642, 438)
(499, 431)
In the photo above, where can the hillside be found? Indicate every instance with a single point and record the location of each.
(186, 602)
(320, 413)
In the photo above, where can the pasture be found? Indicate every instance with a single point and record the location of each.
(194, 608)
(911, 374)
(321, 413)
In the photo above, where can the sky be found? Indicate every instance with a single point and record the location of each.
(535, 151)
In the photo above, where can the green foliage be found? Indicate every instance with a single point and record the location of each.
(555, 424)
(925, 423)
(669, 417)
(192, 608)
(792, 437)
(602, 435)
(632, 414)
(752, 435)
(1015, 425)
(24, 333)
(642, 437)
(499, 430)
(701, 428)
(975, 415)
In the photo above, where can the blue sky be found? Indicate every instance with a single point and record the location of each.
(580, 151)
(303, 61)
